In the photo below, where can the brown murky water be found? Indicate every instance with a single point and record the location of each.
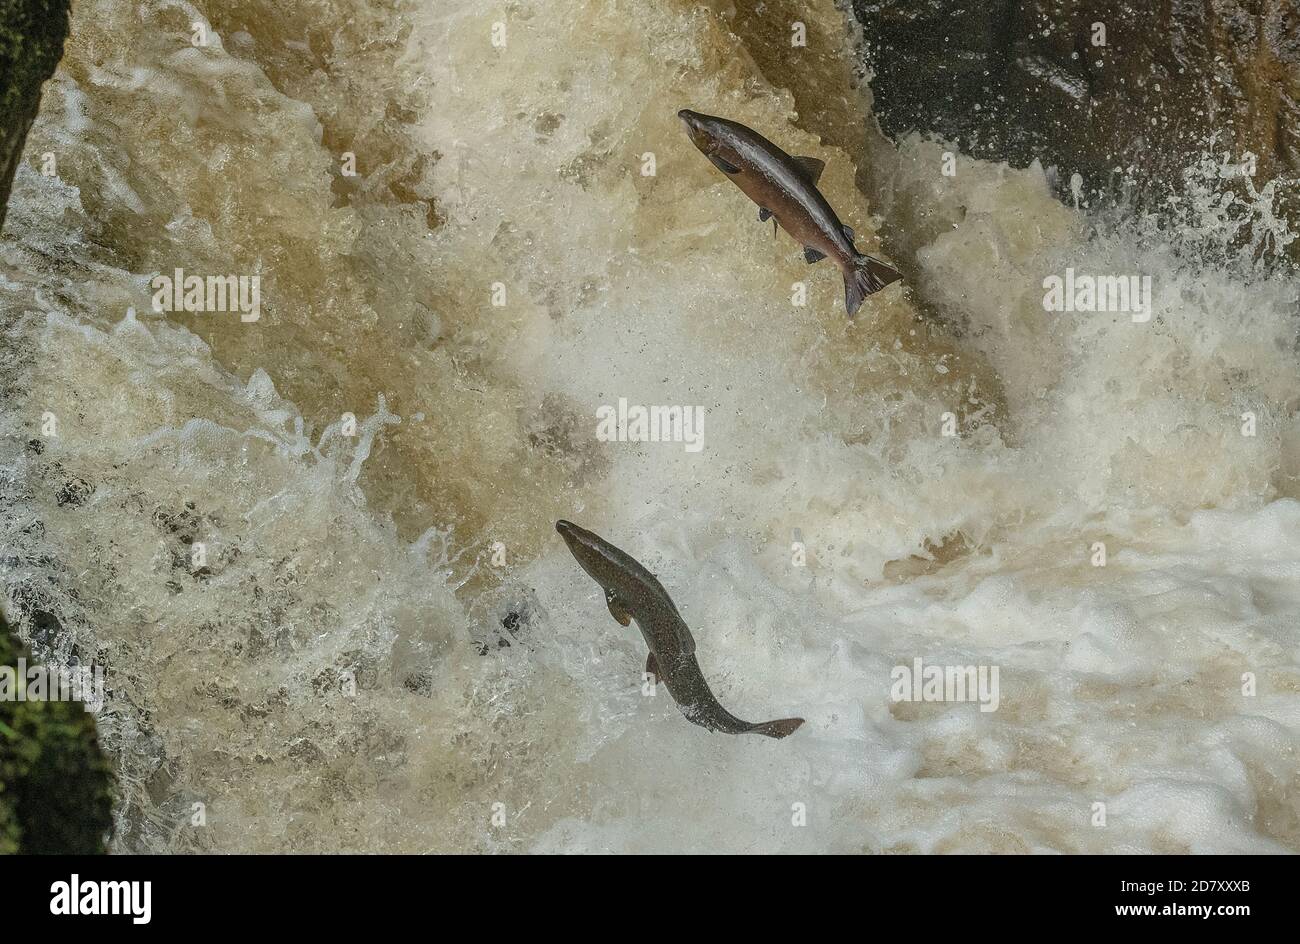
(294, 537)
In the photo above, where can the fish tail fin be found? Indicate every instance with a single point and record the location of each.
(867, 275)
(776, 729)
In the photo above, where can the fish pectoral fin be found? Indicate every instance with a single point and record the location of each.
(811, 168)
(812, 255)
(616, 609)
(723, 166)
(848, 232)
(764, 214)
(652, 666)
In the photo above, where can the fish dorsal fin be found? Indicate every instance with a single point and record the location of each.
(812, 255)
(848, 232)
(764, 214)
(811, 168)
(723, 166)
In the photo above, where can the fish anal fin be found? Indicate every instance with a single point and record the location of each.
(723, 166)
(811, 168)
(764, 214)
(616, 609)
(812, 255)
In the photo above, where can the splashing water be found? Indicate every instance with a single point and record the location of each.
(386, 647)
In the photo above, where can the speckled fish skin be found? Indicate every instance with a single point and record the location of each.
(633, 593)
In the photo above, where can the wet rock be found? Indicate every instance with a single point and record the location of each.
(513, 624)
(31, 43)
(56, 784)
(74, 492)
(1093, 85)
(34, 610)
(497, 641)
(421, 682)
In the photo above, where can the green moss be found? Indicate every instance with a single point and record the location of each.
(31, 43)
(56, 785)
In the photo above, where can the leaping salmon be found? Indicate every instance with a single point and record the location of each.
(785, 189)
(633, 593)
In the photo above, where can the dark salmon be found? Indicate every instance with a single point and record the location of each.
(633, 593)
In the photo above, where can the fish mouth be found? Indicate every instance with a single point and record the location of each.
(696, 130)
(582, 545)
(693, 120)
(573, 535)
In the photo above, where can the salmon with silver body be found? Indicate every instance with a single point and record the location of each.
(785, 189)
(633, 593)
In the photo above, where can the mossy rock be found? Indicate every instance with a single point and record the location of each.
(56, 784)
(31, 43)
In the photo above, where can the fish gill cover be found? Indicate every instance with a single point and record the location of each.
(315, 549)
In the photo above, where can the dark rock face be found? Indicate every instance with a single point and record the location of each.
(1014, 81)
(56, 784)
(31, 43)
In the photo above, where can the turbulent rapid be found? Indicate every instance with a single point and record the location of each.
(316, 553)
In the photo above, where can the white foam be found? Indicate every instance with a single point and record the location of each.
(1120, 685)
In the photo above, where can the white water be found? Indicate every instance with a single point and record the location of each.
(371, 555)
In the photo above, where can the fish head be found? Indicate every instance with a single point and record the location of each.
(590, 550)
(705, 131)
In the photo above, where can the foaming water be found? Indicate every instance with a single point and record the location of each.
(387, 647)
